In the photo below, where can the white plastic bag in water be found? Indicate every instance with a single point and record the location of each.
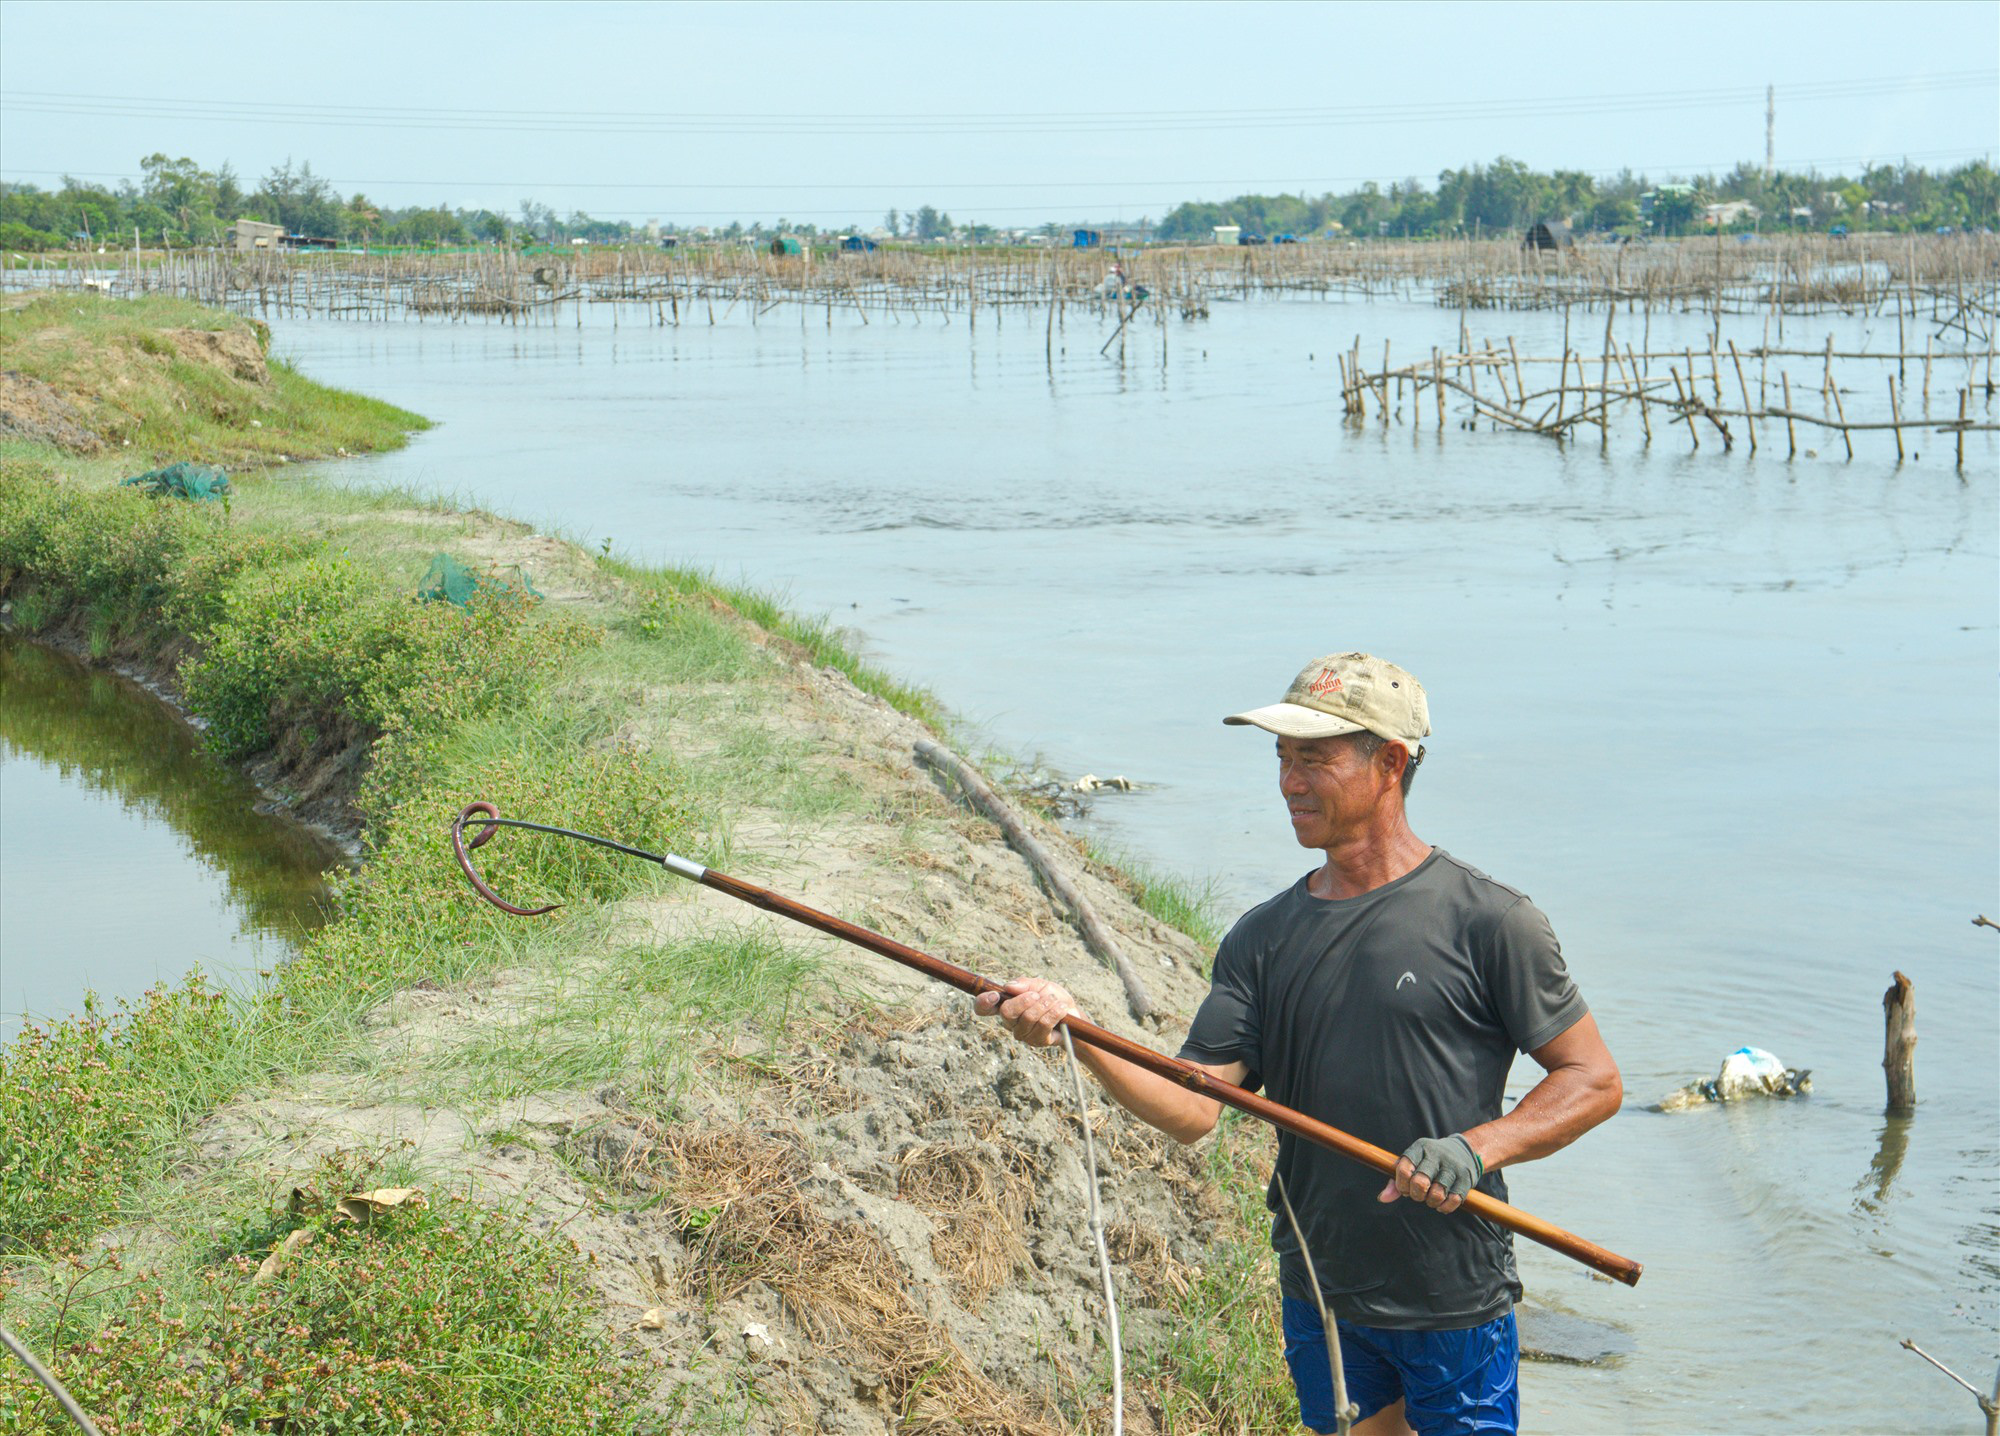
(1749, 1069)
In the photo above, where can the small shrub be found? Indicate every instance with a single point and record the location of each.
(33, 610)
(112, 549)
(412, 915)
(314, 640)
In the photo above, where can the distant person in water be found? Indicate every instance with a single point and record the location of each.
(1386, 992)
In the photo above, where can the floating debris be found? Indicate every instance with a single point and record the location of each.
(1746, 1072)
(1091, 783)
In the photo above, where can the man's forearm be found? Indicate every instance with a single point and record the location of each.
(1565, 1104)
(1183, 1115)
(1034, 1010)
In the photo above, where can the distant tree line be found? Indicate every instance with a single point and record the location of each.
(1506, 196)
(178, 202)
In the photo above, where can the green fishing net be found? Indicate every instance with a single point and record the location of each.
(183, 481)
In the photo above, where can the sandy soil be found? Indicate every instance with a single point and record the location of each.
(38, 412)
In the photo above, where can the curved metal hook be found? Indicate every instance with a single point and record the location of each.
(484, 835)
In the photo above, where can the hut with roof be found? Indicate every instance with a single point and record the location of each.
(1548, 234)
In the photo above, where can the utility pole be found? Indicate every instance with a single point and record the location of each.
(1770, 131)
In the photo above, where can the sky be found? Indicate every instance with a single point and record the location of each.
(1005, 114)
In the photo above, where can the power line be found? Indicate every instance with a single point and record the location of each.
(1287, 182)
(765, 123)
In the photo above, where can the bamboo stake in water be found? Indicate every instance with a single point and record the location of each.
(1639, 384)
(1840, 412)
(1686, 407)
(1749, 418)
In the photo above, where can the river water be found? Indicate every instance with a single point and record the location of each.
(129, 855)
(1731, 720)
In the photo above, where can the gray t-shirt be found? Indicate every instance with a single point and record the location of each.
(1392, 1016)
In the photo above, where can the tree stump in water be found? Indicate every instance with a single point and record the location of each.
(1899, 1045)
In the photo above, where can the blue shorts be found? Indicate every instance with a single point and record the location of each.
(1450, 1382)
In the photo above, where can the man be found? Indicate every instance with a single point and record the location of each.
(1387, 992)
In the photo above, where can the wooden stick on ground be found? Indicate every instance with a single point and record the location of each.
(1095, 934)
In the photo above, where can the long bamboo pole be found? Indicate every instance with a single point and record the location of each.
(484, 817)
(1184, 1074)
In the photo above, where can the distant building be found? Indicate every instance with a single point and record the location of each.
(1735, 211)
(1228, 233)
(1548, 234)
(1086, 239)
(255, 234)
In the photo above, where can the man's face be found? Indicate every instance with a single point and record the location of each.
(1330, 788)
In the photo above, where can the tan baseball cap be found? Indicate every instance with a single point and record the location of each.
(1347, 693)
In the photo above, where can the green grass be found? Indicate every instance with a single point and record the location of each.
(646, 1015)
(817, 638)
(151, 396)
(1186, 905)
(1222, 1367)
(447, 1318)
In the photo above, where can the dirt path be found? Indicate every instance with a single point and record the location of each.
(867, 1216)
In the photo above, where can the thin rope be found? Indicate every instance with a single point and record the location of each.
(1097, 1235)
(41, 1374)
(1343, 1413)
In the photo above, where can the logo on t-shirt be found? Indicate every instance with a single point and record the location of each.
(1406, 977)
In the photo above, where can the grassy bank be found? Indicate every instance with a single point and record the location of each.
(549, 1086)
(111, 380)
